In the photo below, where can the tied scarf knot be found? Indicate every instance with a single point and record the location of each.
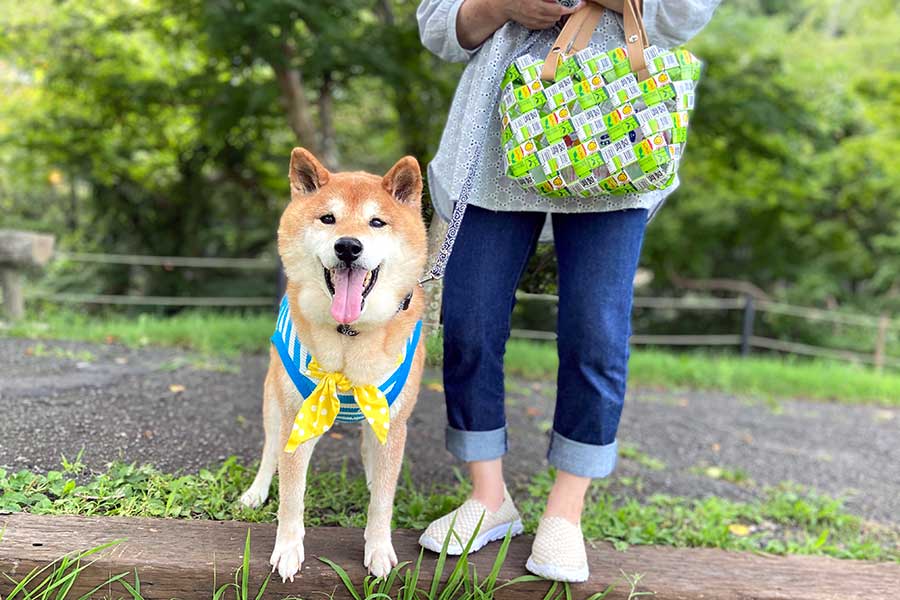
(320, 409)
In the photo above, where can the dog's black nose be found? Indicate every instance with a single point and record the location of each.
(348, 249)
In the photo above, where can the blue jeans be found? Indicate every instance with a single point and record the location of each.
(597, 254)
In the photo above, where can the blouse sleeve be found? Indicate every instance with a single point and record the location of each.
(673, 22)
(437, 29)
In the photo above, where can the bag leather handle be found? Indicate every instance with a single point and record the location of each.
(575, 36)
(580, 26)
(635, 38)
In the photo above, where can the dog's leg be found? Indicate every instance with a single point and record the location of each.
(287, 557)
(366, 458)
(258, 491)
(383, 465)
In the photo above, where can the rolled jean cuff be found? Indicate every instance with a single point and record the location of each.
(476, 445)
(584, 460)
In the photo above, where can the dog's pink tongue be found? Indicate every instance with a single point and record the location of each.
(348, 288)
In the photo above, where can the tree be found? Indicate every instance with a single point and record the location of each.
(164, 127)
(791, 178)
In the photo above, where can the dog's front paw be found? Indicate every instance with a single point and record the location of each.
(287, 557)
(253, 497)
(380, 557)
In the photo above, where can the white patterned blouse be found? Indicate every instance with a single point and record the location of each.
(473, 125)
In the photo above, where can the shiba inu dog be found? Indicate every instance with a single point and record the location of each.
(347, 344)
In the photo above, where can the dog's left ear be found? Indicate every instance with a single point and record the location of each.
(404, 181)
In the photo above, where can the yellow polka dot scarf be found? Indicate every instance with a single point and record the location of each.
(320, 409)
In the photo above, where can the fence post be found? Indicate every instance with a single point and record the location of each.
(747, 330)
(13, 300)
(20, 250)
(881, 342)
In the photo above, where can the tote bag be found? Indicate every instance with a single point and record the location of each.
(583, 122)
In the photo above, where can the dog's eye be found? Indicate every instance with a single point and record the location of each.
(327, 219)
(376, 222)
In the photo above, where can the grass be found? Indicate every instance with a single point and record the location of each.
(41, 350)
(55, 580)
(462, 582)
(784, 519)
(767, 377)
(736, 476)
(632, 452)
(223, 333)
(788, 377)
(229, 334)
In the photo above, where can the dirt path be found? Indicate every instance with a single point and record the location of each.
(168, 408)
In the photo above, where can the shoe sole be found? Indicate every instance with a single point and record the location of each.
(480, 541)
(566, 574)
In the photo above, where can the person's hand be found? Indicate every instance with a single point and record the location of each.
(536, 14)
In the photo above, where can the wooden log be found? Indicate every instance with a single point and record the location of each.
(177, 558)
(23, 249)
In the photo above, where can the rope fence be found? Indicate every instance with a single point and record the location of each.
(214, 301)
(739, 303)
(817, 314)
(253, 264)
(166, 262)
(745, 340)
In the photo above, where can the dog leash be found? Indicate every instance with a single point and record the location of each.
(459, 208)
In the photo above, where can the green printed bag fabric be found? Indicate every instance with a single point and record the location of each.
(597, 130)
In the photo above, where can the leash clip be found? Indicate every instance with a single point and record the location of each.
(427, 279)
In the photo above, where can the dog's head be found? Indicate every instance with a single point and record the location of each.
(353, 243)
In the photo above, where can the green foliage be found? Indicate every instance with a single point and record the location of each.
(792, 178)
(164, 127)
(787, 520)
(130, 490)
(126, 120)
(161, 127)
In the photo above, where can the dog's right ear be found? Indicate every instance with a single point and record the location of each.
(404, 181)
(306, 173)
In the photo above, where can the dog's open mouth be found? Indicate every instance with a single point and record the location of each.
(349, 288)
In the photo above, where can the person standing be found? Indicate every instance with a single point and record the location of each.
(597, 242)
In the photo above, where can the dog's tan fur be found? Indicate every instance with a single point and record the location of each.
(354, 199)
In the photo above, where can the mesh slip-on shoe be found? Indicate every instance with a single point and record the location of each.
(558, 551)
(494, 526)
